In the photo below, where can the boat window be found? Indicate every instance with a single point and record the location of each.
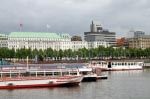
(84, 73)
(32, 75)
(122, 63)
(125, 63)
(73, 73)
(65, 73)
(128, 63)
(49, 73)
(131, 63)
(4, 75)
(112, 63)
(56, 73)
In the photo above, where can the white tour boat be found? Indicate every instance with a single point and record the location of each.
(117, 65)
(10, 79)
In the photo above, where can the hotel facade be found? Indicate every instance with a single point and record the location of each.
(36, 40)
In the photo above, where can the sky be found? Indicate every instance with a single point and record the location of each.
(74, 16)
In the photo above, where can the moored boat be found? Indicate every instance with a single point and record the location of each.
(102, 76)
(23, 79)
(116, 65)
(90, 74)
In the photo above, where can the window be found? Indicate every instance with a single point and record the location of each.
(112, 63)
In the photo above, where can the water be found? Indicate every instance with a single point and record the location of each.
(119, 85)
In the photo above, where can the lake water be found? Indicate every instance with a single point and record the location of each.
(119, 85)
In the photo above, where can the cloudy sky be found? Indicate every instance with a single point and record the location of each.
(74, 16)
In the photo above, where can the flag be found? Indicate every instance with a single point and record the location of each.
(20, 25)
(48, 26)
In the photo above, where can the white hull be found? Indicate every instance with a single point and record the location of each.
(27, 82)
(114, 66)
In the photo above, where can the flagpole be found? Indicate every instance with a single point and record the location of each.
(47, 30)
(20, 26)
(47, 27)
(27, 64)
(20, 29)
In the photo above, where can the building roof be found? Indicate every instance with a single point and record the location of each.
(37, 35)
(120, 41)
(76, 38)
(3, 35)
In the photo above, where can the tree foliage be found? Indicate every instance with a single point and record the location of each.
(83, 53)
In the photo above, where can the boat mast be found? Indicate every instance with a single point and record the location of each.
(27, 65)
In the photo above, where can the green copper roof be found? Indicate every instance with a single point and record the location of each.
(3, 35)
(37, 35)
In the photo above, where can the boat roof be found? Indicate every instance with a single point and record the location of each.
(116, 61)
(85, 69)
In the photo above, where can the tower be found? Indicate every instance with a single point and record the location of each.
(95, 27)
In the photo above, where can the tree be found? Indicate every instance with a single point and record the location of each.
(60, 54)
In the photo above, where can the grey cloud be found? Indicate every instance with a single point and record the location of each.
(74, 16)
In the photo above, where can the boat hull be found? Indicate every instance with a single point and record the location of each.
(38, 82)
(102, 77)
(28, 86)
(120, 69)
(89, 79)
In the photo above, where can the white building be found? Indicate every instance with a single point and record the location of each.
(34, 40)
(99, 34)
(43, 41)
(79, 44)
(3, 40)
(95, 44)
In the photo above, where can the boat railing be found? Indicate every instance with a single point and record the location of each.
(38, 73)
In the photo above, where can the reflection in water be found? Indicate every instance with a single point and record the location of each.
(119, 85)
